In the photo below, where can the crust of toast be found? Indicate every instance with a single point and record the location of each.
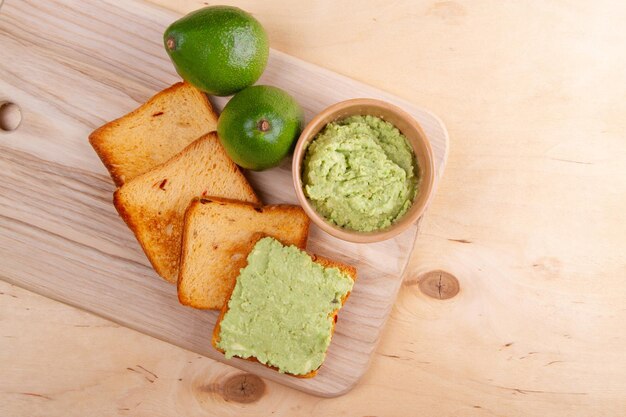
(128, 219)
(132, 220)
(246, 247)
(327, 263)
(97, 138)
(209, 199)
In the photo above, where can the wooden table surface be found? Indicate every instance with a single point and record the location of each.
(529, 217)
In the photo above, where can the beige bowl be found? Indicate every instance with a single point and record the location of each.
(409, 128)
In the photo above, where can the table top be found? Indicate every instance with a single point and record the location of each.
(528, 219)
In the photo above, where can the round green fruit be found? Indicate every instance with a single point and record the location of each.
(259, 126)
(218, 49)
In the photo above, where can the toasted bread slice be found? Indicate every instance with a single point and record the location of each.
(153, 133)
(325, 262)
(153, 204)
(216, 239)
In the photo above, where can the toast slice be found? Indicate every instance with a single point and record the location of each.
(344, 269)
(153, 133)
(216, 239)
(153, 204)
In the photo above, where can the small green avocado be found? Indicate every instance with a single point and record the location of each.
(218, 49)
(259, 126)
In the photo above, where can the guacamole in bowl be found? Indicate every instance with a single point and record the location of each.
(360, 173)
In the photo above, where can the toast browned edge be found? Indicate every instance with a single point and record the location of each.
(348, 269)
(103, 154)
(121, 210)
(208, 199)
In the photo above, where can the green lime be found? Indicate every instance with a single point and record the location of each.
(259, 125)
(218, 49)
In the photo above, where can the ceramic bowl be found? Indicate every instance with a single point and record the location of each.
(409, 128)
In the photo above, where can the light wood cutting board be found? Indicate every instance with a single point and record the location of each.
(72, 66)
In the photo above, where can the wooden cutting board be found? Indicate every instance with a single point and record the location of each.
(72, 66)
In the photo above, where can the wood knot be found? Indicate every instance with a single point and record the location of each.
(439, 284)
(243, 388)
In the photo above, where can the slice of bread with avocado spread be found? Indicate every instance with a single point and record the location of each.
(153, 204)
(217, 236)
(283, 308)
(153, 133)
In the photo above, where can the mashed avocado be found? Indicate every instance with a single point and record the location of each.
(280, 309)
(360, 173)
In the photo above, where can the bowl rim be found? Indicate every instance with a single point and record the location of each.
(427, 182)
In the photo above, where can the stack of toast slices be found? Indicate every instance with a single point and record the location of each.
(189, 205)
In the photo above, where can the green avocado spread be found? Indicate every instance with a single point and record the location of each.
(280, 310)
(360, 173)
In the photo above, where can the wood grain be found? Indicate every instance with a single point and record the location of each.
(60, 235)
(529, 217)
